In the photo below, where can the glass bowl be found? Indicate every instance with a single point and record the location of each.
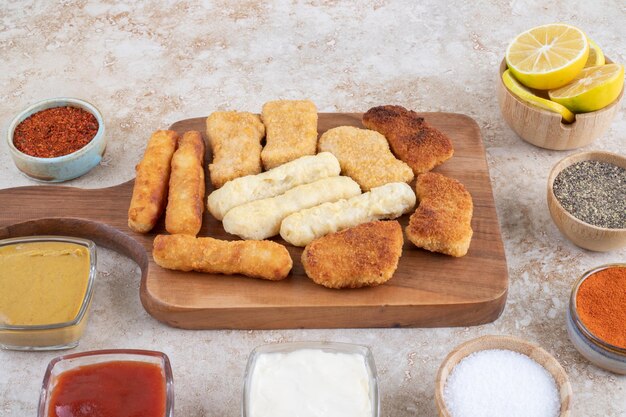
(65, 363)
(329, 347)
(595, 350)
(56, 335)
(65, 167)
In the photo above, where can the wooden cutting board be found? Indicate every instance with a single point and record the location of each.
(427, 290)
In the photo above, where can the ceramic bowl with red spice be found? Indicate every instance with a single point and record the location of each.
(595, 317)
(57, 139)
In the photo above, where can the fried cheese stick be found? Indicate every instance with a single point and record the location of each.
(364, 155)
(186, 195)
(388, 201)
(257, 259)
(272, 183)
(235, 139)
(152, 178)
(442, 220)
(261, 219)
(291, 131)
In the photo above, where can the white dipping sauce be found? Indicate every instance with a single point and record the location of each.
(310, 383)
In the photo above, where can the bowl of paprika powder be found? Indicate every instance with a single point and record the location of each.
(57, 139)
(596, 317)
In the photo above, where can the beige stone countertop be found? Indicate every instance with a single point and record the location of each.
(149, 64)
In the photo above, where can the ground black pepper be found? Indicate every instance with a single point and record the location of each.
(594, 192)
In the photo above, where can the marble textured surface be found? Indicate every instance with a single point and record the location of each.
(149, 64)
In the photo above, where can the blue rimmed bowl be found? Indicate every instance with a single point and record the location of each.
(61, 168)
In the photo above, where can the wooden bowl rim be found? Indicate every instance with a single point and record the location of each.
(553, 115)
(507, 343)
(570, 160)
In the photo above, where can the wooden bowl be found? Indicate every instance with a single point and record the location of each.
(583, 234)
(531, 350)
(544, 128)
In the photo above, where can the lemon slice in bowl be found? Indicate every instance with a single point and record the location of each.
(593, 89)
(525, 94)
(596, 56)
(548, 56)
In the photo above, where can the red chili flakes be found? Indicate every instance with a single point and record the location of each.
(55, 132)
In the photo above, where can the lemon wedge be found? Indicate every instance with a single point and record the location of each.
(594, 88)
(596, 56)
(548, 56)
(525, 94)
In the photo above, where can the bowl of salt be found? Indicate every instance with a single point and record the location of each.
(494, 376)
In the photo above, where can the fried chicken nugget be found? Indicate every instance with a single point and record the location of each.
(442, 220)
(186, 195)
(364, 255)
(291, 127)
(364, 156)
(235, 139)
(412, 140)
(257, 259)
(152, 178)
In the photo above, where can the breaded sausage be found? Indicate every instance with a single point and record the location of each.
(151, 182)
(186, 195)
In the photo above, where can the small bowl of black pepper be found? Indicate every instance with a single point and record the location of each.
(587, 199)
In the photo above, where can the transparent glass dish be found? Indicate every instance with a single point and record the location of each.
(68, 362)
(595, 350)
(52, 336)
(331, 347)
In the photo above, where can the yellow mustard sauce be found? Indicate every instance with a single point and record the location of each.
(42, 282)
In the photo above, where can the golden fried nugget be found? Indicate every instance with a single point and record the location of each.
(257, 259)
(364, 255)
(291, 131)
(412, 139)
(235, 139)
(151, 182)
(442, 220)
(364, 156)
(186, 195)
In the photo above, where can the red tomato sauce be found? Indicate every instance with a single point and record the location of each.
(110, 389)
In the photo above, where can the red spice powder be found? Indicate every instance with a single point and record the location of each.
(601, 305)
(55, 132)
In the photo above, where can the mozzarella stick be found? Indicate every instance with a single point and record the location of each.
(261, 219)
(186, 195)
(257, 259)
(388, 201)
(291, 131)
(235, 139)
(150, 189)
(272, 183)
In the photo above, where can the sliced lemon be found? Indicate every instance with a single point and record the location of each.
(525, 94)
(594, 88)
(596, 56)
(548, 56)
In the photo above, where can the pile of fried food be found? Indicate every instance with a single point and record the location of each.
(272, 176)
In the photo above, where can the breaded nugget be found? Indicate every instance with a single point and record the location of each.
(412, 139)
(442, 221)
(257, 259)
(261, 219)
(388, 201)
(235, 139)
(291, 127)
(272, 183)
(364, 255)
(151, 181)
(185, 202)
(364, 155)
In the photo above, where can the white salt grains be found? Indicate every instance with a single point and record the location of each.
(499, 383)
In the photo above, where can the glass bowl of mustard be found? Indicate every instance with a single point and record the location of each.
(46, 287)
(57, 139)
(596, 317)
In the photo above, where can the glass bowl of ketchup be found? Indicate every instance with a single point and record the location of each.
(108, 383)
